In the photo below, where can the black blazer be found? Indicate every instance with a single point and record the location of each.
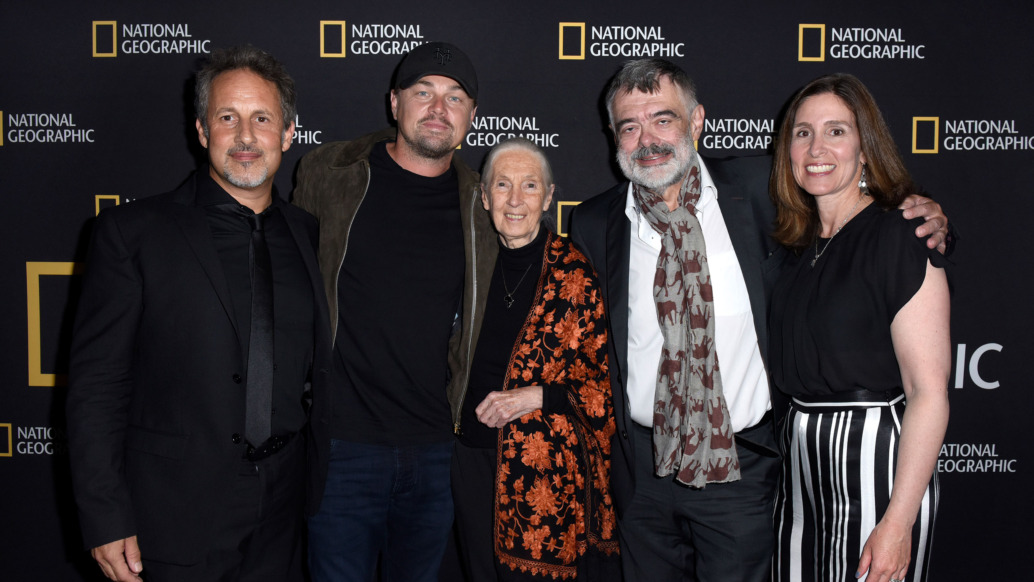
(156, 398)
(600, 229)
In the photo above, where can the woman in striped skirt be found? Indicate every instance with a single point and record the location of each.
(860, 343)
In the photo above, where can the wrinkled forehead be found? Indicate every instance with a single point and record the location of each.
(518, 163)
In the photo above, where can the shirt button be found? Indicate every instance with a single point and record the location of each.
(236, 378)
(236, 438)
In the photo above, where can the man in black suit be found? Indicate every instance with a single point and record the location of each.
(201, 344)
(721, 527)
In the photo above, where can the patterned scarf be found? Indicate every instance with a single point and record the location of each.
(692, 431)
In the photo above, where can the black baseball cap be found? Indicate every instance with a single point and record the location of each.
(438, 58)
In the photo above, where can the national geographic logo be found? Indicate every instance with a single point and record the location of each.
(487, 131)
(929, 136)
(305, 136)
(6, 440)
(24, 128)
(32, 440)
(855, 43)
(615, 41)
(973, 458)
(738, 134)
(145, 39)
(367, 39)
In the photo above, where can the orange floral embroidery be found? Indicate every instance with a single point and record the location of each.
(564, 456)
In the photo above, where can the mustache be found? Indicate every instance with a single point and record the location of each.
(433, 117)
(653, 150)
(240, 148)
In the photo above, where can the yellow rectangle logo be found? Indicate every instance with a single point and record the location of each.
(922, 134)
(561, 213)
(10, 439)
(105, 41)
(572, 41)
(97, 202)
(810, 48)
(33, 272)
(332, 32)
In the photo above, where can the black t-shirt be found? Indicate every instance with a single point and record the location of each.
(399, 289)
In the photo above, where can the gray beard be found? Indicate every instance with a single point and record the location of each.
(657, 179)
(241, 181)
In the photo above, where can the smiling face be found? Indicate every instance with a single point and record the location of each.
(515, 196)
(825, 150)
(433, 115)
(654, 133)
(246, 133)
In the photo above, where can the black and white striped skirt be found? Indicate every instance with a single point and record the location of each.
(839, 460)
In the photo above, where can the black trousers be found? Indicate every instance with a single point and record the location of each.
(671, 532)
(473, 486)
(258, 536)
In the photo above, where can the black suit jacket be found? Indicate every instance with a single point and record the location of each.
(156, 398)
(600, 229)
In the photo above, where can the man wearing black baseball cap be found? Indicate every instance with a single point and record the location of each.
(405, 303)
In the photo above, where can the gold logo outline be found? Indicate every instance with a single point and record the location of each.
(560, 215)
(323, 47)
(822, 42)
(114, 38)
(10, 439)
(936, 135)
(581, 27)
(33, 271)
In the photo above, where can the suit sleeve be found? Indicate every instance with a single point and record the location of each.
(101, 384)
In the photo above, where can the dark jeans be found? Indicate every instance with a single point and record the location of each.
(392, 503)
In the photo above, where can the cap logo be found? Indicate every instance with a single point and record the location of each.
(442, 56)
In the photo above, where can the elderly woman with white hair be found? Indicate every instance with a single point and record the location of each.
(531, 467)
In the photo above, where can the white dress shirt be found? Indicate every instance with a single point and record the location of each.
(744, 380)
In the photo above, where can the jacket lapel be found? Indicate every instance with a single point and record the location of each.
(738, 213)
(618, 248)
(194, 225)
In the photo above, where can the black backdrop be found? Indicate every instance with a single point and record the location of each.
(94, 111)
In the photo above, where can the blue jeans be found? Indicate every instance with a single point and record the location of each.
(386, 503)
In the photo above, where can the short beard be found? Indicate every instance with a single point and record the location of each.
(242, 180)
(429, 148)
(658, 178)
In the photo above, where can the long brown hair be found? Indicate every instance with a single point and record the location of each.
(797, 219)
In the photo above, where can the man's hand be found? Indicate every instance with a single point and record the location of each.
(936, 225)
(502, 406)
(120, 560)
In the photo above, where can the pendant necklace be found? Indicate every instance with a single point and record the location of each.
(850, 214)
(508, 298)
